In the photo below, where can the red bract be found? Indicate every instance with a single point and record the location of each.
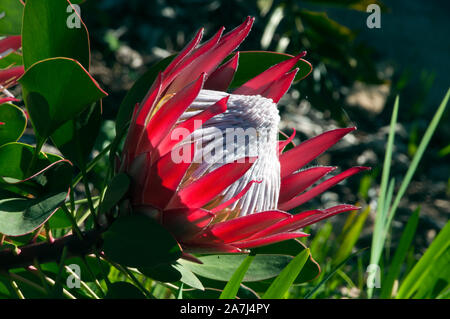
(9, 76)
(206, 211)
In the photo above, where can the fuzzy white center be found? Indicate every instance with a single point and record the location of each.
(249, 128)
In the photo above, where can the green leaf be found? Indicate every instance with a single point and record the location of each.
(292, 248)
(90, 271)
(19, 215)
(59, 220)
(253, 63)
(15, 159)
(188, 277)
(213, 291)
(232, 287)
(320, 243)
(222, 267)
(162, 272)
(76, 138)
(4, 289)
(383, 219)
(14, 120)
(351, 235)
(287, 277)
(320, 23)
(11, 23)
(10, 60)
(430, 270)
(53, 99)
(400, 255)
(117, 188)
(123, 290)
(139, 241)
(330, 274)
(172, 273)
(47, 33)
(417, 157)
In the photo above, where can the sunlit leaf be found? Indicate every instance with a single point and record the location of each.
(48, 33)
(14, 123)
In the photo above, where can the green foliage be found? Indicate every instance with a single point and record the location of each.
(262, 267)
(115, 191)
(14, 123)
(11, 59)
(139, 241)
(350, 234)
(287, 276)
(232, 287)
(431, 275)
(52, 100)
(46, 34)
(135, 257)
(11, 23)
(400, 254)
(386, 211)
(19, 216)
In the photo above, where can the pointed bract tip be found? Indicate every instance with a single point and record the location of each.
(222, 104)
(345, 130)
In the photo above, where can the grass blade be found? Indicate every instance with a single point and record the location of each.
(377, 238)
(180, 292)
(232, 287)
(417, 157)
(382, 223)
(351, 236)
(325, 279)
(436, 258)
(400, 254)
(287, 276)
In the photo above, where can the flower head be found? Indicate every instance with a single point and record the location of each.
(208, 165)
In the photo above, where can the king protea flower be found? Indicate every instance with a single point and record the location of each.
(235, 200)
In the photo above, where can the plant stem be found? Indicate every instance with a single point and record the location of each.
(128, 273)
(16, 289)
(83, 201)
(85, 286)
(91, 273)
(89, 197)
(53, 283)
(37, 150)
(27, 282)
(41, 276)
(45, 252)
(91, 165)
(75, 227)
